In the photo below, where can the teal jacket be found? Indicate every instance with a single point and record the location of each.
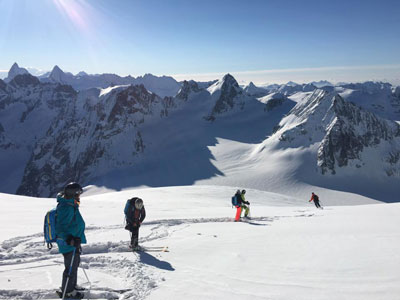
(69, 223)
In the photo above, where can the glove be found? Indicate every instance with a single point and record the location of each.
(73, 241)
(70, 240)
(77, 242)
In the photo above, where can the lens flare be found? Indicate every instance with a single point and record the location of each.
(78, 12)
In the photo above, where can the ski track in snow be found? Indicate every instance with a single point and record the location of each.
(136, 274)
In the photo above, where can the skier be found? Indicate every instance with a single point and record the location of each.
(134, 215)
(241, 205)
(315, 198)
(70, 230)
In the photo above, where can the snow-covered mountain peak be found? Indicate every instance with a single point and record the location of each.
(369, 86)
(230, 81)
(227, 82)
(162, 86)
(226, 94)
(291, 83)
(342, 135)
(56, 74)
(321, 83)
(252, 90)
(14, 71)
(82, 73)
(187, 88)
(251, 85)
(59, 76)
(376, 97)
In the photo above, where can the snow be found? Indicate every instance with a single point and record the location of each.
(288, 250)
(106, 91)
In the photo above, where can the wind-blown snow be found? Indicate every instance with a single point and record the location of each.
(288, 250)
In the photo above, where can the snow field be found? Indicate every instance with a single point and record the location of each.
(288, 250)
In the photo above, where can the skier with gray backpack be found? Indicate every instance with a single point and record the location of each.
(66, 226)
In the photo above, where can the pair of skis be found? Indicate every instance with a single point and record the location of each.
(151, 249)
(110, 294)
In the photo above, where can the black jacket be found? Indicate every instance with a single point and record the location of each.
(135, 216)
(241, 200)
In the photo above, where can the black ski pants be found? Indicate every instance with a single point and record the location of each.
(135, 236)
(317, 204)
(74, 271)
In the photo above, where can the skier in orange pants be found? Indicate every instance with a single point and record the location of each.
(241, 201)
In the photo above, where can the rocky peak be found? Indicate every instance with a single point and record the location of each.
(252, 90)
(228, 81)
(14, 71)
(343, 132)
(309, 87)
(227, 94)
(57, 74)
(353, 131)
(187, 88)
(132, 100)
(24, 80)
(251, 85)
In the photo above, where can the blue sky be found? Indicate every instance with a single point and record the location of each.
(263, 41)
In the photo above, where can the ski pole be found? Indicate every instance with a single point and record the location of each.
(90, 284)
(69, 273)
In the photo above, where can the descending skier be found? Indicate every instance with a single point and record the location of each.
(134, 215)
(70, 230)
(241, 205)
(315, 198)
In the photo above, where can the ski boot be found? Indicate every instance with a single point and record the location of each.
(79, 288)
(72, 295)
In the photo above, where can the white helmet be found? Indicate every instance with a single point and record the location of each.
(138, 203)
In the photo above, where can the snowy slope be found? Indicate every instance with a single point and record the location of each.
(289, 250)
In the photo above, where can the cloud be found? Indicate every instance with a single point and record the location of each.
(390, 73)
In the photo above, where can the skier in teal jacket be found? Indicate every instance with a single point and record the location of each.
(70, 230)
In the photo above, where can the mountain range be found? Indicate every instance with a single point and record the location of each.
(121, 132)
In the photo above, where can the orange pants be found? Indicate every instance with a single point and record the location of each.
(238, 213)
